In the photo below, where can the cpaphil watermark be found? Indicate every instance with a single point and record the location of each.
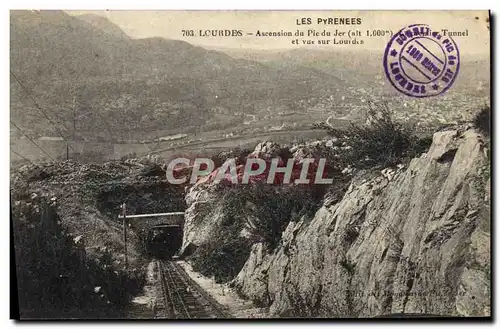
(271, 171)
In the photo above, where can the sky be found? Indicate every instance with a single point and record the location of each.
(169, 24)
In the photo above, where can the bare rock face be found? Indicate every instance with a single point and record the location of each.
(407, 241)
(202, 217)
(266, 149)
(207, 209)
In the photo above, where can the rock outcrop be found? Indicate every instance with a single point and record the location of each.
(411, 240)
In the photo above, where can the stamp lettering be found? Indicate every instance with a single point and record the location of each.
(417, 57)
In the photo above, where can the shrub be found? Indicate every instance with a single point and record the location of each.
(482, 120)
(266, 210)
(226, 252)
(239, 154)
(132, 155)
(381, 143)
(252, 213)
(223, 257)
(56, 278)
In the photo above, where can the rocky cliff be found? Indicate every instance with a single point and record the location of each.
(412, 240)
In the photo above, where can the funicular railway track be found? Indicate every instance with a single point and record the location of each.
(184, 298)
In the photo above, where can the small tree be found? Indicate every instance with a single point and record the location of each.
(482, 120)
(381, 142)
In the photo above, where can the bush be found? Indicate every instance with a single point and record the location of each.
(482, 120)
(252, 213)
(239, 154)
(226, 252)
(55, 277)
(223, 257)
(266, 210)
(381, 143)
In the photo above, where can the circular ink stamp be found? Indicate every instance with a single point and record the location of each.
(420, 62)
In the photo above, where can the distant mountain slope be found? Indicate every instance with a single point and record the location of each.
(363, 74)
(51, 44)
(104, 24)
(359, 68)
(140, 84)
(333, 62)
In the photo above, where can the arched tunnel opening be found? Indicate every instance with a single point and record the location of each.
(163, 241)
(160, 234)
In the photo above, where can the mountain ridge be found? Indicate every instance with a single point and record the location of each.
(143, 84)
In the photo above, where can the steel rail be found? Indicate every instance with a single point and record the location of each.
(184, 298)
(179, 297)
(166, 291)
(191, 283)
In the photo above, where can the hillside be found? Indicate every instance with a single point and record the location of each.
(408, 240)
(366, 82)
(104, 24)
(360, 68)
(144, 85)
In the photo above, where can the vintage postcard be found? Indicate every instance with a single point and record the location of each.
(250, 164)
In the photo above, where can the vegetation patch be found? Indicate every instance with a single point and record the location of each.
(379, 143)
(482, 120)
(69, 247)
(55, 276)
(252, 213)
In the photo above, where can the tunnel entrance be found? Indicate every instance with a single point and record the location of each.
(161, 233)
(163, 241)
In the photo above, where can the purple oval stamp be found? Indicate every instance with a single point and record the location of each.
(420, 62)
